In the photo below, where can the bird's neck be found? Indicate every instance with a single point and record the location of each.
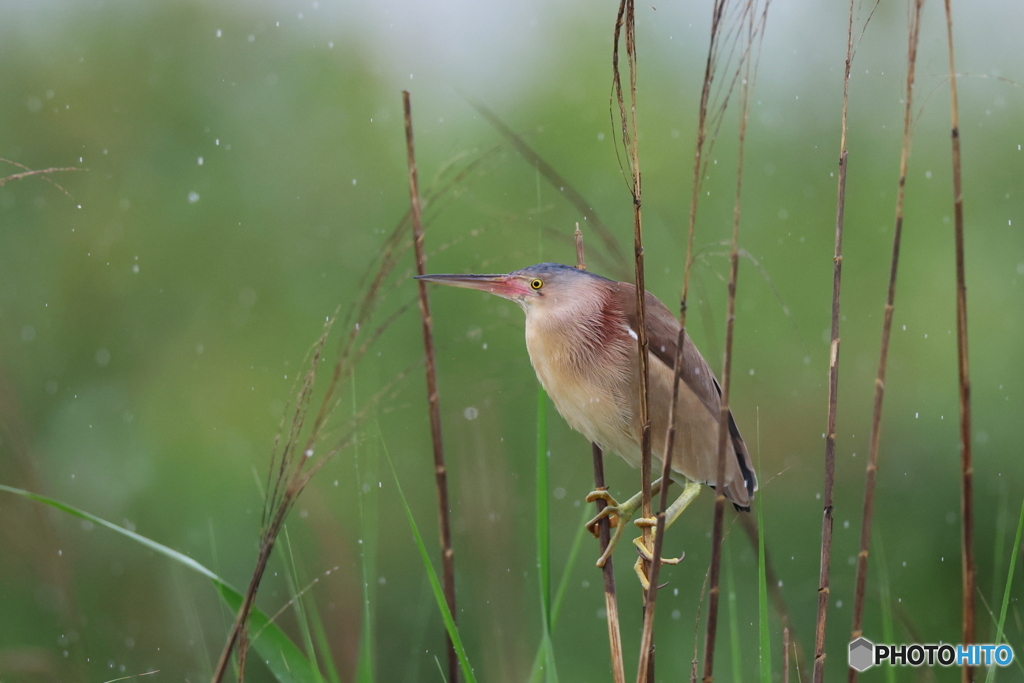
(580, 333)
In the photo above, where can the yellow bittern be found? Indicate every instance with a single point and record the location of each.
(581, 333)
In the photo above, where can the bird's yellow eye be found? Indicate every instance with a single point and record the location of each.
(536, 283)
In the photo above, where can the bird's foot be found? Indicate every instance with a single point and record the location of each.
(611, 511)
(617, 515)
(646, 552)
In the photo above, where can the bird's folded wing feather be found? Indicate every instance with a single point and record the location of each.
(663, 339)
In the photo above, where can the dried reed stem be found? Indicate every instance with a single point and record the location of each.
(966, 466)
(440, 471)
(876, 419)
(833, 380)
(785, 654)
(723, 424)
(611, 603)
(626, 20)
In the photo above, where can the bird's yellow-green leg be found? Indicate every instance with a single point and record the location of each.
(617, 515)
(690, 491)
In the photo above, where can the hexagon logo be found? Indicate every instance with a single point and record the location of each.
(862, 654)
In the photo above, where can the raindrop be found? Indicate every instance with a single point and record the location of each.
(200, 161)
(219, 33)
(471, 413)
(193, 197)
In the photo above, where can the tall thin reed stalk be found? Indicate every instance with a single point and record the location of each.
(625, 22)
(440, 470)
(723, 423)
(964, 375)
(876, 419)
(824, 590)
(611, 603)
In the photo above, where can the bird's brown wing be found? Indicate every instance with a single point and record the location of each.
(662, 339)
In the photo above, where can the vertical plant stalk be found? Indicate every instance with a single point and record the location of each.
(611, 603)
(824, 591)
(785, 654)
(966, 465)
(626, 20)
(440, 471)
(723, 419)
(876, 418)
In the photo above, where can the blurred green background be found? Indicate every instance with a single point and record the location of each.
(242, 165)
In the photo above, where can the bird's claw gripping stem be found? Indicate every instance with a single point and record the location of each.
(616, 515)
(647, 553)
(611, 511)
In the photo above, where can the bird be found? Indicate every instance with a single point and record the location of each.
(581, 335)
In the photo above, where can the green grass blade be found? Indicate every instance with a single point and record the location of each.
(762, 582)
(435, 584)
(885, 596)
(574, 552)
(1006, 591)
(281, 655)
(544, 536)
(734, 622)
(543, 511)
(295, 582)
(538, 669)
(278, 652)
(368, 530)
(323, 643)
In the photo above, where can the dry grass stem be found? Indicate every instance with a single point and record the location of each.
(625, 22)
(876, 419)
(440, 471)
(43, 173)
(964, 377)
(833, 380)
(754, 25)
(294, 459)
(785, 655)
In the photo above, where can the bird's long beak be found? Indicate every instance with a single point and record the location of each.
(505, 286)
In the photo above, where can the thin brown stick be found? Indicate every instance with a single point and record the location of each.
(43, 173)
(876, 418)
(824, 590)
(785, 654)
(626, 20)
(747, 68)
(440, 471)
(581, 262)
(966, 466)
(611, 603)
(723, 424)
